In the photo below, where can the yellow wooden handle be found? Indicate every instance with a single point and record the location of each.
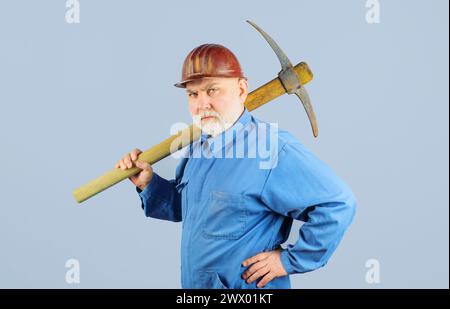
(255, 99)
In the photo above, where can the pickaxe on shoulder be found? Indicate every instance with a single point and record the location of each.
(290, 80)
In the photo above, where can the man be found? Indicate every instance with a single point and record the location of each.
(236, 210)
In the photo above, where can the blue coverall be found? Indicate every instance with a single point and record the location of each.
(234, 206)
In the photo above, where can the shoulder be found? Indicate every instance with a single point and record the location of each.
(281, 140)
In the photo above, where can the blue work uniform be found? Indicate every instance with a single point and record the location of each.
(236, 199)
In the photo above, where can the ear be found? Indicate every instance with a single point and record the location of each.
(243, 89)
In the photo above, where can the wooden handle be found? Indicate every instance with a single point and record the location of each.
(152, 155)
(255, 99)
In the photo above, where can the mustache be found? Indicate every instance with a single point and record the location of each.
(209, 113)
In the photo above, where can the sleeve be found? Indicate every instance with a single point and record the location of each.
(303, 187)
(161, 198)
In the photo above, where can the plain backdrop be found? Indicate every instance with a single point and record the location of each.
(75, 97)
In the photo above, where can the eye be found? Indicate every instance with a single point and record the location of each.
(212, 91)
(192, 94)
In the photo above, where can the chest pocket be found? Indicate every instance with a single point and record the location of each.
(225, 216)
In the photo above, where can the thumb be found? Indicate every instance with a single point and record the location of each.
(143, 165)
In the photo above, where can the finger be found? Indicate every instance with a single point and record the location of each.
(143, 165)
(122, 165)
(266, 279)
(134, 179)
(117, 165)
(134, 154)
(257, 274)
(127, 160)
(253, 268)
(255, 258)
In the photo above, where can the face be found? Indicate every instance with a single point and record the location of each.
(216, 103)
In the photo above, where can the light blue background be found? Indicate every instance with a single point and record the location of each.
(75, 97)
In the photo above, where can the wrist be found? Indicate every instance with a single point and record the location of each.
(144, 185)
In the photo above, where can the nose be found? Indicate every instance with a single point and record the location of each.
(203, 102)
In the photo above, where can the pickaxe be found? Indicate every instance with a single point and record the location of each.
(290, 80)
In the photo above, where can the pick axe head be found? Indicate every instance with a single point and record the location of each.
(289, 79)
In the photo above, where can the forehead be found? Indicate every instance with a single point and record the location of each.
(205, 82)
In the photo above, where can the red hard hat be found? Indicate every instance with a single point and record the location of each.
(209, 60)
